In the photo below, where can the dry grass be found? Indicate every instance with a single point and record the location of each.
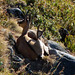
(50, 59)
(12, 25)
(4, 54)
(6, 72)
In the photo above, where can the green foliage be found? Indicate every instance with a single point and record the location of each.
(52, 14)
(70, 42)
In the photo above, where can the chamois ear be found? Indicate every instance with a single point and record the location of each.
(28, 19)
(28, 16)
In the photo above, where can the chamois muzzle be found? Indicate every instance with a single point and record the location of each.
(20, 21)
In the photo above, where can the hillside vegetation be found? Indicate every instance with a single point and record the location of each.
(52, 14)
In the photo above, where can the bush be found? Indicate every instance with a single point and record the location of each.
(52, 14)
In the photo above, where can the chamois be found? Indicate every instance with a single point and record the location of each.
(29, 44)
(63, 33)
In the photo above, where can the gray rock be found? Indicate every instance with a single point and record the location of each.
(54, 45)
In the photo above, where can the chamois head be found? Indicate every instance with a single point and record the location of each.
(25, 25)
(24, 22)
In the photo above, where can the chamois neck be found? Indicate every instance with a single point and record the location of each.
(25, 29)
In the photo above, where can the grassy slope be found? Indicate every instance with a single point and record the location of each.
(7, 25)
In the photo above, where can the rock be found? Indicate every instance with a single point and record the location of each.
(54, 45)
(16, 12)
